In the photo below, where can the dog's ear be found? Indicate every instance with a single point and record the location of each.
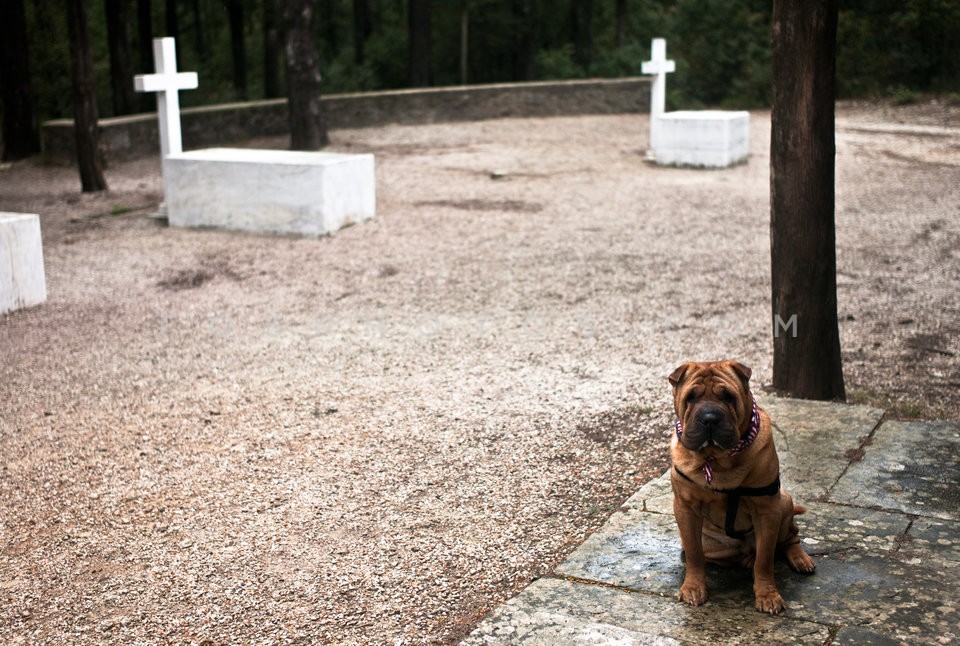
(676, 377)
(742, 371)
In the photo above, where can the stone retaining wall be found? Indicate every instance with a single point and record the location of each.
(131, 137)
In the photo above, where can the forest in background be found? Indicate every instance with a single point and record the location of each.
(897, 48)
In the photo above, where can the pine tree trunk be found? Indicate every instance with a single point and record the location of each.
(145, 48)
(21, 137)
(464, 40)
(420, 45)
(328, 25)
(238, 47)
(526, 23)
(124, 98)
(362, 29)
(581, 16)
(172, 20)
(271, 51)
(806, 346)
(85, 126)
(308, 129)
(621, 23)
(201, 42)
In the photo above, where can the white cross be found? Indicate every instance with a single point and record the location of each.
(166, 82)
(659, 66)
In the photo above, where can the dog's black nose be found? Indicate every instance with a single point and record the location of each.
(710, 419)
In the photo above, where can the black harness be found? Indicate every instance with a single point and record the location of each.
(733, 500)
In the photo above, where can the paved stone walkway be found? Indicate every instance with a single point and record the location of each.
(884, 499)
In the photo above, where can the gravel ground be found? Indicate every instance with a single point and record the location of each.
(378, 436)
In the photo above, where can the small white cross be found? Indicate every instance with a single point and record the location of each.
(166, 82)
(659, 66)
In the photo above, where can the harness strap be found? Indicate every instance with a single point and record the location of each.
(733, 501)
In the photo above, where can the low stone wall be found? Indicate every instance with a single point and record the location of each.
(131, 137)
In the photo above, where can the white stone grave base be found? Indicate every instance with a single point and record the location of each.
(22, 279)
(702, 138)
(269, 191)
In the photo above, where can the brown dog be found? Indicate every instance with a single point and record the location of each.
(727, 498)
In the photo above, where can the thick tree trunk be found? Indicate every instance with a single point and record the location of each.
(420, 45)
(238, 47)
(21, 137)
(124, 98)
(362, 29)
(806, 344)
(145, 47)
(271, 51)
(85, 126)
(308, 129)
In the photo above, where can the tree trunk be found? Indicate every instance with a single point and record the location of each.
(464, 39)
(21, 138)
(238, 48)
(145, 47)
(123, 96)
(84, 99)
(362, 29)
(582, 19)
(308, 129)
(806, 344)
(328, 25)
(201, 42)
(172, 21)
(621, 23)
(271, 51)
(420, 54)
(525, 23)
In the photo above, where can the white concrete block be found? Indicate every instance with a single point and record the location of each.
(702, 138)
(269, 191)
(22, 279)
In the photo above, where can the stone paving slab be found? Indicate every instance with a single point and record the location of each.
(881, 527)
(912, 467)
(830, 432)
(552, 612)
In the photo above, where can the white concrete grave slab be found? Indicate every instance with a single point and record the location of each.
(262, 191)
(269, 191)
(22, 279)
(694, 138)
(703, 138)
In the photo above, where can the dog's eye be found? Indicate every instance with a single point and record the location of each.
(727, 396)
(691, 396)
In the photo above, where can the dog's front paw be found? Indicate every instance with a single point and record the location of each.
(693, 592)
(799, 560)
(770, 601)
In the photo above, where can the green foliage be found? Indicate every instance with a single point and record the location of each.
(905, 44)
(901, 48)
(557, 64)
(904, 96)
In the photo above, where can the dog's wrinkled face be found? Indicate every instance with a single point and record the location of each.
(713, 403)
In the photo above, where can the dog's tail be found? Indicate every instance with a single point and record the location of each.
(799, 509)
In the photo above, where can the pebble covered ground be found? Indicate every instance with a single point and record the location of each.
(378, 436)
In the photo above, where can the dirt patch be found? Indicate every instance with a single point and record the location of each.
(509, 206)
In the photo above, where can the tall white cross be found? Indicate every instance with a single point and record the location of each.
(166, 82)
(659, 66)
